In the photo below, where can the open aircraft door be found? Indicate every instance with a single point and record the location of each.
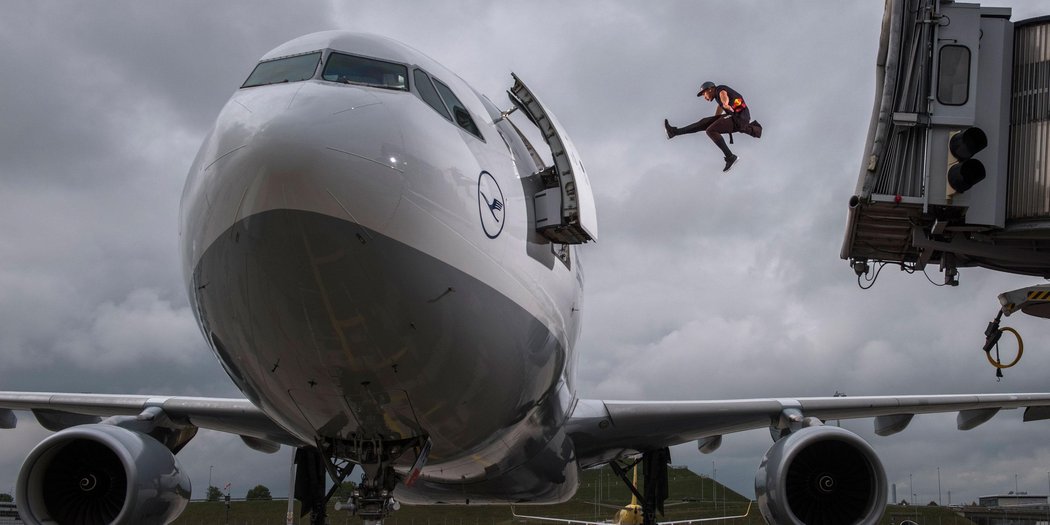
(565, 211)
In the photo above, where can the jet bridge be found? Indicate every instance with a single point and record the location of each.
(956, 168)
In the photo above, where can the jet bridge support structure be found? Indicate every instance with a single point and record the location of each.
(956, 168)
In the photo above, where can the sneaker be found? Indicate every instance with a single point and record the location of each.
(756, 129)
(669, 129)
(730, 160)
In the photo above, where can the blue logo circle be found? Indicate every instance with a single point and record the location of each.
(491, 205)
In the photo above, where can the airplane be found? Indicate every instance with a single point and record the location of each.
(630, 514)
(389, 270)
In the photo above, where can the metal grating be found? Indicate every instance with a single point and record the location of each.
(882, 231)
(1029, 172)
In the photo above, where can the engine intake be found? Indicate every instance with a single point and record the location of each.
(821, 475)
(101, 474)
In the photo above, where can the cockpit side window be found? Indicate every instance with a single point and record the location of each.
(429, 94)
(459, 112)
(350, 69)
(287, 69)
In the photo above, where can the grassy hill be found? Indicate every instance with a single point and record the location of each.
(691, 496)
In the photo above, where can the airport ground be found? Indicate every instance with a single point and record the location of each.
(691, 496)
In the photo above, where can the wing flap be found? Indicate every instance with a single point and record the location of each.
(891, 424)
(1036, 413)
(970, 419)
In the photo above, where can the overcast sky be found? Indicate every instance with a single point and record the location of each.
(703, 285)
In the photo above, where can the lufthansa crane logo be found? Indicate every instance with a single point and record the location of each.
(490, 205)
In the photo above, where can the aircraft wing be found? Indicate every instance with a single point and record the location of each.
(566, 521)
(57, 411)
(603, 430)
(700, 520)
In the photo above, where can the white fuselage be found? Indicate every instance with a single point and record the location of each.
(346, 263)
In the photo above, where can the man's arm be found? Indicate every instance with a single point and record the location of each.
(723, 99)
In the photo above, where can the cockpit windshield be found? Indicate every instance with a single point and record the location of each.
(287, 69)
(349, 69)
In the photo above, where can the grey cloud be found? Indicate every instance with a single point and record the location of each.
(702, 285)
(141, 329)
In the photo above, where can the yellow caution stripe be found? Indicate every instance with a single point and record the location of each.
(1039, 296)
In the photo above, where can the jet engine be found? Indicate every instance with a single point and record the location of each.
(821, 475)
(100, 474)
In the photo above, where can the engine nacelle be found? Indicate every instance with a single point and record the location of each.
(99, 474)
(821, 474)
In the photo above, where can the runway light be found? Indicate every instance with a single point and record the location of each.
(393, 160)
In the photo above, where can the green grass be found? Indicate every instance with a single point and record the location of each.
(691, 496)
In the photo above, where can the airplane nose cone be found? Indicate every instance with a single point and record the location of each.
(287, 171)
(331, 149)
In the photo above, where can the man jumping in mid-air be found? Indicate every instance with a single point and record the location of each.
(730, 116)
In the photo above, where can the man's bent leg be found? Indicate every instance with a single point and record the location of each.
(715, 131)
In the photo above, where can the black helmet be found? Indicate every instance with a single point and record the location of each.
(705, 86)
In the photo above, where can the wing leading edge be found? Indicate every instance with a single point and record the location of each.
(236, 416)
(604, 430)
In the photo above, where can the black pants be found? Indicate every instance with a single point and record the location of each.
(717, 126)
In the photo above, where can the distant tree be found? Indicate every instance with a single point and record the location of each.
(6, 498)
(344, 491)
(259, 492)
(214, 494)
(931, 503)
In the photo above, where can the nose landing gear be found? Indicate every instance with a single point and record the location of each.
(372, 499)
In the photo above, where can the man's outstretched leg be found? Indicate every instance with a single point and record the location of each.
(699, 125)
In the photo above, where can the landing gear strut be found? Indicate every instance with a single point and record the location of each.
(371, 500)
(654, 476)
(310, 482)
